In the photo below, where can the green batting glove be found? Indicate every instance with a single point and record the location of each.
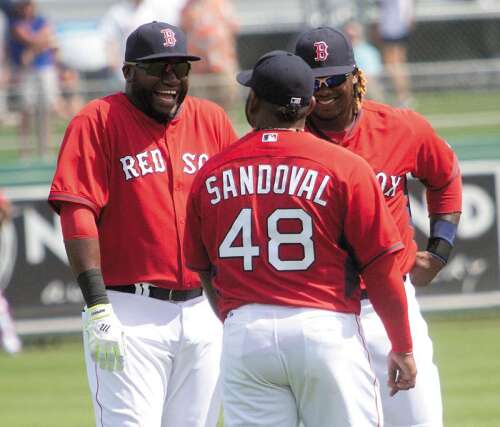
(105, 337)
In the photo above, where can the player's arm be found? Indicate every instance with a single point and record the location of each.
(436, 166)
(383, 280)
(430, 262)
(82, 247)
(196, 255)
(375, 241)
(104, 330)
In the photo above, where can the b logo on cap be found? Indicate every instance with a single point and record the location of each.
(321, 51)
(169, 36)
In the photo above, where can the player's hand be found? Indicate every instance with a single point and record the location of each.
(402, 372)
(105, 337)
(425, 269)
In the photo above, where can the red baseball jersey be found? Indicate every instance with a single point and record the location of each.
(135, 174)
(286, 218)
(397, 142)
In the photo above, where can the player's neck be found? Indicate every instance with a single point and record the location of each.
(266, 123)
(338, 124)
(276, 128)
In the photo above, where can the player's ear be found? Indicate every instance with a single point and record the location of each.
(128, 72)
(251, 107)
(311, 106)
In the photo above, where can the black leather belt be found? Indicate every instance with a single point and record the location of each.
(147, 290)
(364, 293)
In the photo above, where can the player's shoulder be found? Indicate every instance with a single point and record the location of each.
(332, 156)
(202, 108)
(102, 107)
(388, 118)
(401, 116)
(236, 150)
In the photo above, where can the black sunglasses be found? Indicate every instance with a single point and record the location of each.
(157, 68)
(330, 81)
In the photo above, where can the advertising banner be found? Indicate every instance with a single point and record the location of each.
(38, 283)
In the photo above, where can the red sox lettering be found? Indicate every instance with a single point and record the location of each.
(193, 162)
(152, 161)
(388, 183)
(142, 164)
(265, 179)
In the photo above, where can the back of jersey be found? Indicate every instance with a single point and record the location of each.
(281, 222)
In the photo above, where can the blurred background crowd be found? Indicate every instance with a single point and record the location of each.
(57, 54)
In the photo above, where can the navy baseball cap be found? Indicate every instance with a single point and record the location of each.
(155, 41)
(327, 50)
(280, 78)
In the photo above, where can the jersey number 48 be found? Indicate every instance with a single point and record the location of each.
(242, 225)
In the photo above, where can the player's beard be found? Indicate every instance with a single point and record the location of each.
(144, 100)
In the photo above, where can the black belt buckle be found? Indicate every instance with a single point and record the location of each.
(176, 295)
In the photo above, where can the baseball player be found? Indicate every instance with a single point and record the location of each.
(9, 340)
(278, 221)
(395, 143)
(152, 344)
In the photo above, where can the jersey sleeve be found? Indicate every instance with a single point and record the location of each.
(436, 166)
(196, 256)
(81, 174)
(369, 228)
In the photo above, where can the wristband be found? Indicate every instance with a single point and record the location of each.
(444, 230)
(440, 249)
(92, 286)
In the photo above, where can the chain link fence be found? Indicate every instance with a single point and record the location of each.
(454, 46)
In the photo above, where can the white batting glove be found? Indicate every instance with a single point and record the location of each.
(105, 337)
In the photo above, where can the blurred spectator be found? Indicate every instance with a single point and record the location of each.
(9, 340)
(122, 18)
(32, 56)
(70, 101)
(395, 25)
(211, 28)
(367, 57)
(4, 68)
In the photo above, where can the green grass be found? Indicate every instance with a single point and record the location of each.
(467, 352)
(46, 386)
(457, 101)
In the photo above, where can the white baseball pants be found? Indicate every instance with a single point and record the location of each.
(172, 366)
(422, 405)
(281, 365)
